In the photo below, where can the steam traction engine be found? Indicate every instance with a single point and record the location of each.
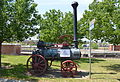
(37, 64)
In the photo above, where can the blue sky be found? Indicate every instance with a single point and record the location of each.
(63, 5)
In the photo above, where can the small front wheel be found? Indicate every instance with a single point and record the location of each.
(68, 68)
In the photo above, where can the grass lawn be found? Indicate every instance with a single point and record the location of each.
(103, 70)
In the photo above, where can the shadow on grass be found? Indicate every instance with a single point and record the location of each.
(2, 56)
(19, 72)
(13, 71)
(56, 73)
(118, 79)
(86, 60)
(115, 67)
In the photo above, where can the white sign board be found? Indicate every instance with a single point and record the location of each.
(64, 52)
(92, 24)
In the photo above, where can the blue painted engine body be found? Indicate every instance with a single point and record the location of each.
(51, 53)
(59, 54)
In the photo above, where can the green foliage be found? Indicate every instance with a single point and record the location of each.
(18, 20)
(107, 25)
(54, 24)
(50, 28)
(80, 46)
(94, 46)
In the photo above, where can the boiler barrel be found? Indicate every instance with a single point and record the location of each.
(59, 54)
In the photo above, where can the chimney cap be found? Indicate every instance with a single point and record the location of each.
(74, 4)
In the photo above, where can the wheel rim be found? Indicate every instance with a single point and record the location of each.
(68, 68)
(36, 65)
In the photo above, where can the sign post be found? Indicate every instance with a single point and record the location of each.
(90, 28)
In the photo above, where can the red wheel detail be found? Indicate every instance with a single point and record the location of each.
(36, 65)
(62, 38)
(68, 68)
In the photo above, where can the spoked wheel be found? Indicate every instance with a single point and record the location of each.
(68, 68)
(36, 65)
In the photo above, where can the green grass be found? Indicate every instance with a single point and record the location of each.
(103, 70)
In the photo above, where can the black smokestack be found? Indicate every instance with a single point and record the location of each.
(74, 5)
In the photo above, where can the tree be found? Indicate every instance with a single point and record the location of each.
(17, 20)
(54, 24)
(50, 26)
(107, 25)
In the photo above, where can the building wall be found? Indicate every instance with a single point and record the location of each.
(114, 48)
(11, 49)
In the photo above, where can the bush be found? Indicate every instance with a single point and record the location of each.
(80, 46)
(94, 46)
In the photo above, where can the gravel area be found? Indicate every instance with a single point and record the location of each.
(56, 73)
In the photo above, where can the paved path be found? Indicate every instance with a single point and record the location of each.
(10, 80)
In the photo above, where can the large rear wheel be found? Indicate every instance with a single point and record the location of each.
(36, 65)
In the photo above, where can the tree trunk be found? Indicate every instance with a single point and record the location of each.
(114, 47)
(0, 53)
